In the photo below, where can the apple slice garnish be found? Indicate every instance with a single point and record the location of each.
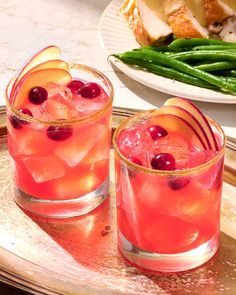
(51, 64)
(200, 117)
(38, 78)
(48, 53)
(173, 123)
(182, 113)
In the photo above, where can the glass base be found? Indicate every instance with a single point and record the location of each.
(63, 208)
(168, 262)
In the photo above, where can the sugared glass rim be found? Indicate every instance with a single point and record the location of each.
(144, 114)
(74, 66)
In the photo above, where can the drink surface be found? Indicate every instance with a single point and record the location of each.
(166, 212)
(142, 141)
(73, 101)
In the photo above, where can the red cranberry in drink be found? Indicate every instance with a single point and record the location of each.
(163, 161)
(37, 95)
(135, 160)
(59, 133)
(26, 112)
(75, 85)
(89, 90)
(15, 122)
(178, 182)
(157, 132)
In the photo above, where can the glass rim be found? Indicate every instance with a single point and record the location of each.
(184, 172)
(74, 66)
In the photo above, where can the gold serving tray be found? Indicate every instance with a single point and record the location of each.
(80, 255)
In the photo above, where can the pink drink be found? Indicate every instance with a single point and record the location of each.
(59, 141)
(168, 194)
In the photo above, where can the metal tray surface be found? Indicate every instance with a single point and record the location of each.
(80, 255)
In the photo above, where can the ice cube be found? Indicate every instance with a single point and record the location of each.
(196, 157)
(135, 142)
(30, 142)
(62, 92)
(195, 202)
(57, 106)
(59, 103)
(101, 150)
(44, 168)
(87, 106)
(73, 150)
(160, 197)
(175, 145)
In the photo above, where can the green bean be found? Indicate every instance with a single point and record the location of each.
(215, 47)
(205, 54)
(168, 72)
(162, 59)
(229, 79)
(191, 42)
(216, 66)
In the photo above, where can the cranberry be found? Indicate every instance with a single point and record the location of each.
(135, 160)
(59, 133)
(89, 90)
(26, 112)
(15, 122)
(75, 85)
(157, 132)
(178, 182)
(37, 95)
(163, 161)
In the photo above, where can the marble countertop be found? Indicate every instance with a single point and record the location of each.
(27, 26)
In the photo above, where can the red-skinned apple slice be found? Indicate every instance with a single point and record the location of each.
(48, 53)
(182, 113)
(38, 78)
(50, 64)
(200, 117)
(173, 123)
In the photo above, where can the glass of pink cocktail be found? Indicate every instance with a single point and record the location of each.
(169, 167)
(59, 130)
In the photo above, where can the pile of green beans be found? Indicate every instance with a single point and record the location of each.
(206, 63)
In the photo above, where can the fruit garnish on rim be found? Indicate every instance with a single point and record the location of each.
(46, 89)
(200, 119)
(48, 53)
(32, 87)
(178, 131)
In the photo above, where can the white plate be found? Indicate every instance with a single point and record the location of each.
(116, 36)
